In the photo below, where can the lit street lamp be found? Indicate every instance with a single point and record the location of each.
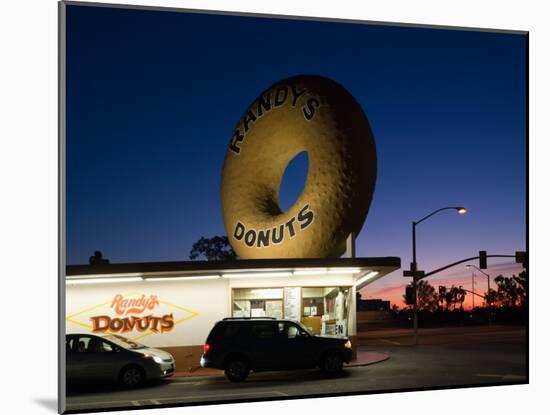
(414, 267)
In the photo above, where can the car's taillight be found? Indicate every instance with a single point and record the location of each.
(207, 348)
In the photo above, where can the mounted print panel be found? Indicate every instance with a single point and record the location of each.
(262, 207)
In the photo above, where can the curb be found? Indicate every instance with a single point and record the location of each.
(368, 358)
(375, 357)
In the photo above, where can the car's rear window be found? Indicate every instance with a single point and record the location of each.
(219, 331)
(232, 330)
(263, 330)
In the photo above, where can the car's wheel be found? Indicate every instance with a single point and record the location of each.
(332, 363)
(237, 369)
(132, 377)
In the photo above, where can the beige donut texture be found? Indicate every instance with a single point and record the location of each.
(303, 113)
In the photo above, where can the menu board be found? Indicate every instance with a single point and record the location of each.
(257, 312)
(292, 303)
(274, 308)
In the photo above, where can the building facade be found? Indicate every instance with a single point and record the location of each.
(174, 305)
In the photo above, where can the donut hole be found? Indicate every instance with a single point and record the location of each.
(293, 181)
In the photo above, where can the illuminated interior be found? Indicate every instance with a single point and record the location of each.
(323, 310)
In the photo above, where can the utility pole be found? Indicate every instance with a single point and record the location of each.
(473, 291)
(414, 272)
(488, 298)
(415, 290)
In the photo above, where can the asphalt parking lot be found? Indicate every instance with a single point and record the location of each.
(443, 357)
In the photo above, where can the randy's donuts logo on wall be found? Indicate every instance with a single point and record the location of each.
(124, 307)
(138, 313)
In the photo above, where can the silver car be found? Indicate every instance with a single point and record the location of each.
(114, 357)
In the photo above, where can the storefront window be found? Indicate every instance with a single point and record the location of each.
(258, 302)
(322, 310)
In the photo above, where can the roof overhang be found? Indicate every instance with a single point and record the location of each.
(364, 270)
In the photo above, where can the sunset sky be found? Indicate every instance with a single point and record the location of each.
(152, 99)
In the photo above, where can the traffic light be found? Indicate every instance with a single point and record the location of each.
(461, 295)
(482, 259)
(409, 295)
(442, 290)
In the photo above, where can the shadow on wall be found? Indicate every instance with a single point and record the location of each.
(48, 403)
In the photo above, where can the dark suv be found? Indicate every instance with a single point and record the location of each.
(241, 345)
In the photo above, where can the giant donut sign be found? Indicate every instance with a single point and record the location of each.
(303, 113)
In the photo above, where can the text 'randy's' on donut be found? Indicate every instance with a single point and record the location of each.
(310, 114)
(265, 103)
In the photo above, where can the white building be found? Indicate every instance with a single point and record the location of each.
(173, 305)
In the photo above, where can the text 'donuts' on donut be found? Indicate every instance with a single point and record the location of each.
(303, 113)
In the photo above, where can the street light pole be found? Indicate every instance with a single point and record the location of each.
(414, 266)
(473, 292)
(488, 288)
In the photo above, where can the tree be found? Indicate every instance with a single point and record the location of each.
(512, 291)
(491, 297)
(521, 281)
(427, 298)
(506, 291)
(460, 296)
(216, 248)
(452, 297)
(97, 258)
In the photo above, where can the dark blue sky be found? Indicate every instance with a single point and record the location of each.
(152, 99)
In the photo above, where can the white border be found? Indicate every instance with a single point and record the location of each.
(28, 171)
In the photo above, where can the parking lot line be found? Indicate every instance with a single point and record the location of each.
(198, 382)
(179, 399)
(226, 395)
(389, 341)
